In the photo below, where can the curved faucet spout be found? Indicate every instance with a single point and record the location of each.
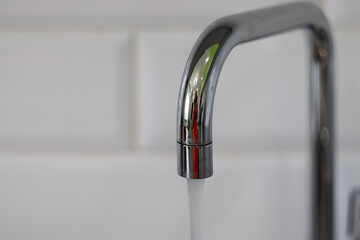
(197, 92)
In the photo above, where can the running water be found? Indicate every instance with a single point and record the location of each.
(196, 196)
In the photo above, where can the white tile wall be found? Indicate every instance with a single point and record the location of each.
(348, 85)
(91, 197)
(124, 12)
(106, 74)
(161, 60)
(262, 95)
(137, 7)
(348, 181)
(344, 14)
(63, 89)
(136, 79)
(138, 196)
(268, 77)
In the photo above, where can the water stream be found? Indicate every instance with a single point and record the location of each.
(196, 205)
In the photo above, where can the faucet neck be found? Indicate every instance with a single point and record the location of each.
(202, 70)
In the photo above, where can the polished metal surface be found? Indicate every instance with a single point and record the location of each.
(197, 153)
(197, 91)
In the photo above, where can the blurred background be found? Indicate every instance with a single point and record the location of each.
(88, 94)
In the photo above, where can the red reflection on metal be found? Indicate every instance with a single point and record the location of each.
(196, 163)
(195, 136)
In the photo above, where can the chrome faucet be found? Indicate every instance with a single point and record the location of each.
(197, 92)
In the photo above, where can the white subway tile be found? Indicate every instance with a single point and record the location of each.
(161, 61)
(125, 12)
(347, 87)
(347, 182)
(62, 89)
(262, 96)
(344, 14)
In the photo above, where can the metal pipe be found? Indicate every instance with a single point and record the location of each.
(197, 92)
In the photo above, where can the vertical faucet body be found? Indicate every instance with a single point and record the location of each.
(197, 92)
